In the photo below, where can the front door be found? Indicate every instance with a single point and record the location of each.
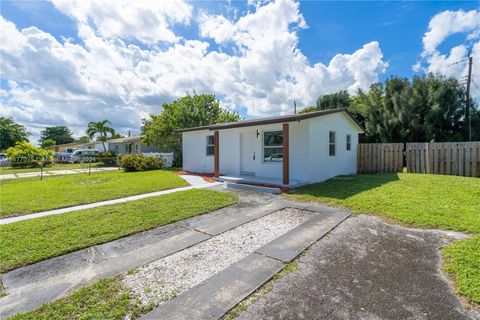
(248, 157)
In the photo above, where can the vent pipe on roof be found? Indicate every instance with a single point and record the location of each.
(294, 107)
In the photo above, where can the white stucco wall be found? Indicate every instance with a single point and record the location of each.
(195, 157)
(309, 158)
(322, 166)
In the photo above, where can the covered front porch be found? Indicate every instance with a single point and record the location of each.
(263, 156)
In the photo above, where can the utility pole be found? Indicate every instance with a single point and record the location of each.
(467, 102)
(294, 107)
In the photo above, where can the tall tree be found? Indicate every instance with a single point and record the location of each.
(48, 143)
(59, 134)
(427, 108)
(335, 100)
(190, 111)
(101, 128)
(11, 133)
(84, 139)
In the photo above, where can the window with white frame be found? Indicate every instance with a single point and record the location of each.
(210, 145)
(273, 146)
(331, 143)
(349, 142)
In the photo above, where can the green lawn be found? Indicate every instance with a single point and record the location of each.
(23, 196)
(426, 201)
(56, 166)
(29, 241)
(106, 300)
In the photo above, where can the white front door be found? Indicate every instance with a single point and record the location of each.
(247, 153)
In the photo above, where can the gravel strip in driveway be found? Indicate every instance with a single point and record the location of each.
(172, 275)
(366, 269)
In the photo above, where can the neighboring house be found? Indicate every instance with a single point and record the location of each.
(129, 145)
(288, 150)
(64, 147)
(95, 145)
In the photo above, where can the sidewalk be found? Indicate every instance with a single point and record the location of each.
(52, 173)
(194, 181)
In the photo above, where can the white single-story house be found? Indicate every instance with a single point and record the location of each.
(290, 150)
(129, 145)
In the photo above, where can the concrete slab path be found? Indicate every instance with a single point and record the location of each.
(33, 285)
(194, 184)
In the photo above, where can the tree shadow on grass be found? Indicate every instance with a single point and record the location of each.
(343, 187)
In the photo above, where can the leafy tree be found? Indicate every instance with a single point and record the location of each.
(116, 135)
(48, 143)
(11, 133)
(23, 154)
(308, 109)
(427, 108)
(190, 111)
(101, 128)
(339, 99)
(84, 139)
(59, 134)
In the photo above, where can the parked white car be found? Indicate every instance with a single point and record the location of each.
(84, 155)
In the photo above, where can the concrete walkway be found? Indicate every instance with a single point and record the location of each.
(194, 181)
(52, 173)
(33, 285)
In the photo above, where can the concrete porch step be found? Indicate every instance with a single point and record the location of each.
(271, 190)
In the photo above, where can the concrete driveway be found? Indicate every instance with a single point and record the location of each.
(366, 269)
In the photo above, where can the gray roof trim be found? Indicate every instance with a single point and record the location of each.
(273, 120)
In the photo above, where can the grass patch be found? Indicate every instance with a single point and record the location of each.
(419, 200)
(429, 201)
(463, 261)
(24, 196)
(107, 299)
(29, 241)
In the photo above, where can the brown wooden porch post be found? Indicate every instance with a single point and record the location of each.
(286, 159)
(216, 155)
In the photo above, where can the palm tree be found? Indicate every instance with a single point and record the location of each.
(102, 128)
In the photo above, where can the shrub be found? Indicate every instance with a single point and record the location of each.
(26, 155)
(107, 158)
(140, 162)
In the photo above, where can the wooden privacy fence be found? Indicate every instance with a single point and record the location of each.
(380, 157)
(453, 158)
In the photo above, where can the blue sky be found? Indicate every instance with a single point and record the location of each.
(256, 57)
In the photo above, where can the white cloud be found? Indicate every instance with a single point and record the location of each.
(454, 62)
(447, 23)
(65, 83)
(146, 20)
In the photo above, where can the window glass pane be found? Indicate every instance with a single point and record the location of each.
(210, 150)
(331, 136)
(331, 149)
(273, 154)
(273, 138)
(210, 140)
(348, 142)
